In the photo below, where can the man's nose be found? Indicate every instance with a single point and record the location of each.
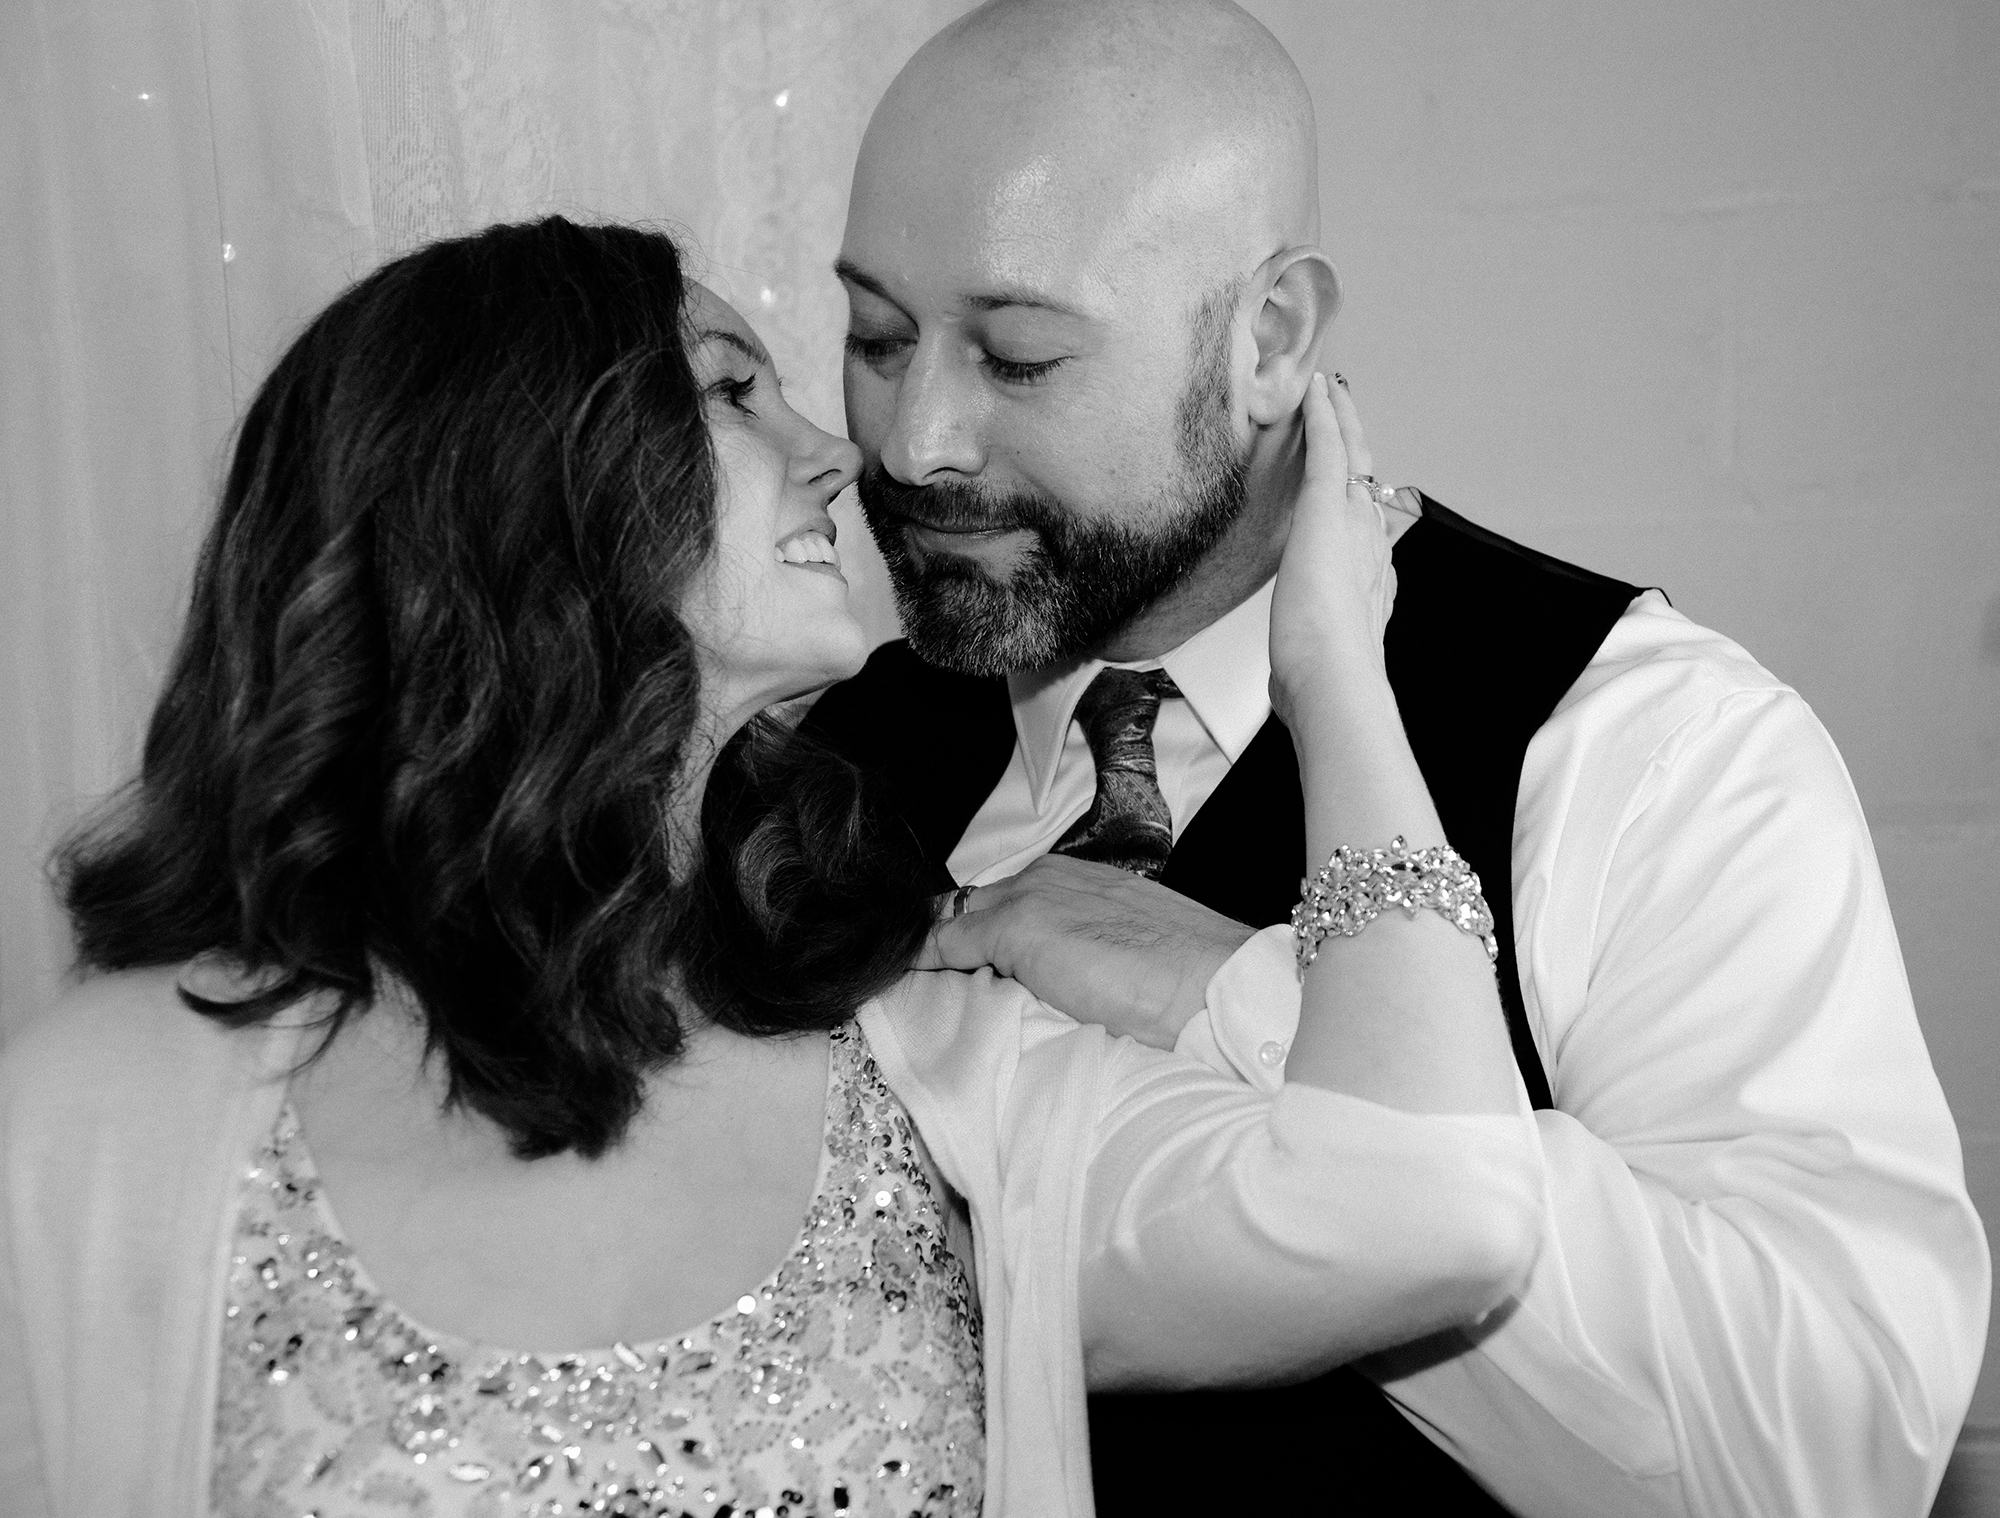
(937, 423)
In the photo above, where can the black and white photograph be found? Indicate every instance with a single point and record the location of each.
(1039, 759)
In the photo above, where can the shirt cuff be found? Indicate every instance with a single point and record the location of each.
(1251, 1012)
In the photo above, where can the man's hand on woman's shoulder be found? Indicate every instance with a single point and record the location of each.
(1097, 942)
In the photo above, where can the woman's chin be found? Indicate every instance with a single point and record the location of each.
(769, 673)
(830, 666)
(841, 648)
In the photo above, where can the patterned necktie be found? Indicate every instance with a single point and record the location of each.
(1128, 823)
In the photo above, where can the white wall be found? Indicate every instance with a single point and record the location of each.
(1707, 296)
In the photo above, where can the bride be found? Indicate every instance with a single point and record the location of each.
(493, 1089)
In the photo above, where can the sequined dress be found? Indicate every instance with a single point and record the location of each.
(848, 1383)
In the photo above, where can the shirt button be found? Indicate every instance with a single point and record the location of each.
(1271, 1054)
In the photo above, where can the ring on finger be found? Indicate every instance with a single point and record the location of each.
(961, 900)
(1380, 494)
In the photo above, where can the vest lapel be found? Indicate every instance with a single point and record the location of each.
(1486, 639)
(1242, 854)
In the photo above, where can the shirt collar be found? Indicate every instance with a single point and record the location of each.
(1224, 671)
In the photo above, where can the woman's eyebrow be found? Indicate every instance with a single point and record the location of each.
(750, 348)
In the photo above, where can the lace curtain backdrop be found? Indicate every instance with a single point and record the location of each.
(185, 184)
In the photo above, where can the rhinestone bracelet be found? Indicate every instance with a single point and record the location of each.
(1350, 892)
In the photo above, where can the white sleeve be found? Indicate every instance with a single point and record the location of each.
(22, 1477)
(1250, 1014)
(1765, 1288)
(1143, 1221)
(1234, 1236)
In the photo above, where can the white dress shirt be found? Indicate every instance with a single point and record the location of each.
(1765, 1289)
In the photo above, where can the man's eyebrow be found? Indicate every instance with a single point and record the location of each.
(994, 300)
(851, 274)
(1003, 299)
(750, 348)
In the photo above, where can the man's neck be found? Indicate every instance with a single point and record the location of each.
(1167, 624)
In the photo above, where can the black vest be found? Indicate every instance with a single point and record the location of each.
(1485, 639)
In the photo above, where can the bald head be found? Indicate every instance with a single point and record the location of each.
(1085, 298)
(1171, 140)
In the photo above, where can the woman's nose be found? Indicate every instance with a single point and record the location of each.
(831, 463)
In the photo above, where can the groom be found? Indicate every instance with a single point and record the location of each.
(1086, 297)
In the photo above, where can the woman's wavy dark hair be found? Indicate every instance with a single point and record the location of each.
(433, 694)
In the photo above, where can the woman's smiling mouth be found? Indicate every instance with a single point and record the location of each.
(811, 548)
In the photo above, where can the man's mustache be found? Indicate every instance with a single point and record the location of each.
(951, 505)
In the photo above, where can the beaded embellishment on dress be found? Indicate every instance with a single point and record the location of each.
(848, 1383)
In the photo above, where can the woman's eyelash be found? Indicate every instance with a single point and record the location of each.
(736, 392)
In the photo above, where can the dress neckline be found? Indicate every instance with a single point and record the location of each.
(290, 1146)
(855, 1379)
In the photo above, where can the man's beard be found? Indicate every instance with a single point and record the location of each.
(1078, 581)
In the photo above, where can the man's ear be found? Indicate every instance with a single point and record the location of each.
(1297, 293)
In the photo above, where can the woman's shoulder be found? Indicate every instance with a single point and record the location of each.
(113, 1038)
(119, 1009)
